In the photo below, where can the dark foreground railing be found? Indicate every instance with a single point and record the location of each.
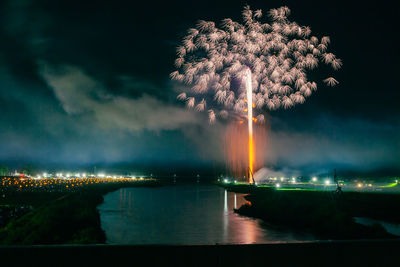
(321, 253)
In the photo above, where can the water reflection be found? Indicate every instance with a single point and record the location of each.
(392, 228)
(225, 215)
(190, 214)
(226, 201)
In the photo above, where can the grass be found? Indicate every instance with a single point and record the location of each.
(390, 185)
(296, 189)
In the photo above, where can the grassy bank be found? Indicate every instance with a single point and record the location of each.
(323, 213)
(69, 217)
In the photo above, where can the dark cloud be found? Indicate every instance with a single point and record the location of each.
(81, 95)
(347, 143)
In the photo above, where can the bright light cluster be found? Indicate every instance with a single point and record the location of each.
(56, 184)
(79, 175)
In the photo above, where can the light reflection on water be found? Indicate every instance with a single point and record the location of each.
(183, 214)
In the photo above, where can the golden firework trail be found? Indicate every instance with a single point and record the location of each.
(250, 122)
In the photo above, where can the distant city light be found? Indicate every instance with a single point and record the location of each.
(359, 185)
(327, 182)
(225, 180)
(101, 175)
(314, 179)
(278, 185)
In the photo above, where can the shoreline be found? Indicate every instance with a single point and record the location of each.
(322, 213)
(63, 217)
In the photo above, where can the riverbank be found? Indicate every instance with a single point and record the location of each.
(323, 213)
(60, 216)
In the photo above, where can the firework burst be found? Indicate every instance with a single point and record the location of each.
(250, 65)
(213, 62)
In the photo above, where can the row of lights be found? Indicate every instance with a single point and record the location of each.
(293, 180)
(313, 179)
(84, 175)
(55, 184)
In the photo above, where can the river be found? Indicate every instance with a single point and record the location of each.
(185, 215)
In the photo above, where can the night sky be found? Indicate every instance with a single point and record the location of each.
(84, 84)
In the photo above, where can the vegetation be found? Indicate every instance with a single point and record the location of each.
(28, 170)
(57, 218)
(4, 170)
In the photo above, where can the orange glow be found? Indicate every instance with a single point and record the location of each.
(251, 158)
(236, 148)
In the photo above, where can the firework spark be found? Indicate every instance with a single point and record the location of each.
(249, 99)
